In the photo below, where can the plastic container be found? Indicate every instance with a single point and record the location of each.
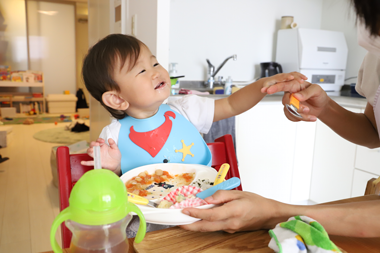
(228, 86)
(98, 215)
(99, 239)
(61, 103)
(173, 72)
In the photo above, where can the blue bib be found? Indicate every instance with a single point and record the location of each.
(165, 137)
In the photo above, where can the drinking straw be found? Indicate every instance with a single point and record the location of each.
(98, 164)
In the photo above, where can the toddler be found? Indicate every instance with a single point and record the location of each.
(126, 78)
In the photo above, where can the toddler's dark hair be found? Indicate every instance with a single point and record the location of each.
(99, 64)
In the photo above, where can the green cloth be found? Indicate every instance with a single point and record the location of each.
(301, 234)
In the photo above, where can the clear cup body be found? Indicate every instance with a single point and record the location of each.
(99, 239)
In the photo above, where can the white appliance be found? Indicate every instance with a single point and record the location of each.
(318, 54)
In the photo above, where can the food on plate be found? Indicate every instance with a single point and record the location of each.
(165, 204)
(204, 184)
(182, 197)
(159, 183)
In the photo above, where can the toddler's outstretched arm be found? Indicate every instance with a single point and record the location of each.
(247, 97)
(110, 155)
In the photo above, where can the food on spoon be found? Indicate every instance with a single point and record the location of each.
(160, 180)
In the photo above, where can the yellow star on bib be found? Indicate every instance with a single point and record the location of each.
(185, 150)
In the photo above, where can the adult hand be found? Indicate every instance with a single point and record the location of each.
(110, 155)
(313, 102)
(240, 211)
(313, 99)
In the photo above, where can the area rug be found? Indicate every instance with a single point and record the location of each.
(12, 121)
(60, 135)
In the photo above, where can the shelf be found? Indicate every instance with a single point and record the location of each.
(27, 99)
(4, 95)
(20, 84)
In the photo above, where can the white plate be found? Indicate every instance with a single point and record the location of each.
(171, 216)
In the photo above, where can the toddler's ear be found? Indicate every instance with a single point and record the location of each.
(113, 100)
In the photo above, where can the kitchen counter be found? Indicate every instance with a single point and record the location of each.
(343, 99)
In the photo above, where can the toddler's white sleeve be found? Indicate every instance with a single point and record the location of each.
(198, 110)
(111, 131)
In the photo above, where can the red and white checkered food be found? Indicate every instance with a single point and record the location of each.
(189, 203)
(187, 191)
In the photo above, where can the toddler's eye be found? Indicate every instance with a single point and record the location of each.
(142, 71)
(156, 64)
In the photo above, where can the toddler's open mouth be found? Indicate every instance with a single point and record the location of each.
(160, 85)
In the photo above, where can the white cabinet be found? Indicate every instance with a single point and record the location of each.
(368, 159)
(293, 162)
(274, 154)
(367, 166)
(333, 165)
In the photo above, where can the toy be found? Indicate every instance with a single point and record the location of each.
(55, 123)
(28, 77)
(16, 77)
(37, 76)
(28, 122)
(32, 112)
(5, 73)
(76, 116)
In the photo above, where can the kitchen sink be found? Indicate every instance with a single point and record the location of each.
(198, 85)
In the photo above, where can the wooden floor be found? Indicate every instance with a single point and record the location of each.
(28, 198)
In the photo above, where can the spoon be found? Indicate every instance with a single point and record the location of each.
(136, 199)
(221, 173)
(226, 185)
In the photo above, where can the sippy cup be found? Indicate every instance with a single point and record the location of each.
(98, 215)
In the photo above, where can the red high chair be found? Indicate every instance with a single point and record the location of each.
(70, 170)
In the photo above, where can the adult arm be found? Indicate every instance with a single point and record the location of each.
(245, 211)
(359, 128)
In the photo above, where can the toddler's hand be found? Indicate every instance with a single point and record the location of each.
(110, 155)
(291, 82)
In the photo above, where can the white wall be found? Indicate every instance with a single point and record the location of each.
(152, 25)
(216, 29)
(98, 27)
(337, 15)
(52, 45)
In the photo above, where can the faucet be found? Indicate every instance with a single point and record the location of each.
(211, 74)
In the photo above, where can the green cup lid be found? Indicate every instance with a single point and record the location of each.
(99, 197)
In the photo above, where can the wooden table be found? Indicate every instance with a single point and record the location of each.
(178, 240)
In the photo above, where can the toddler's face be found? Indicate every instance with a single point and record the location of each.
(145, 86)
